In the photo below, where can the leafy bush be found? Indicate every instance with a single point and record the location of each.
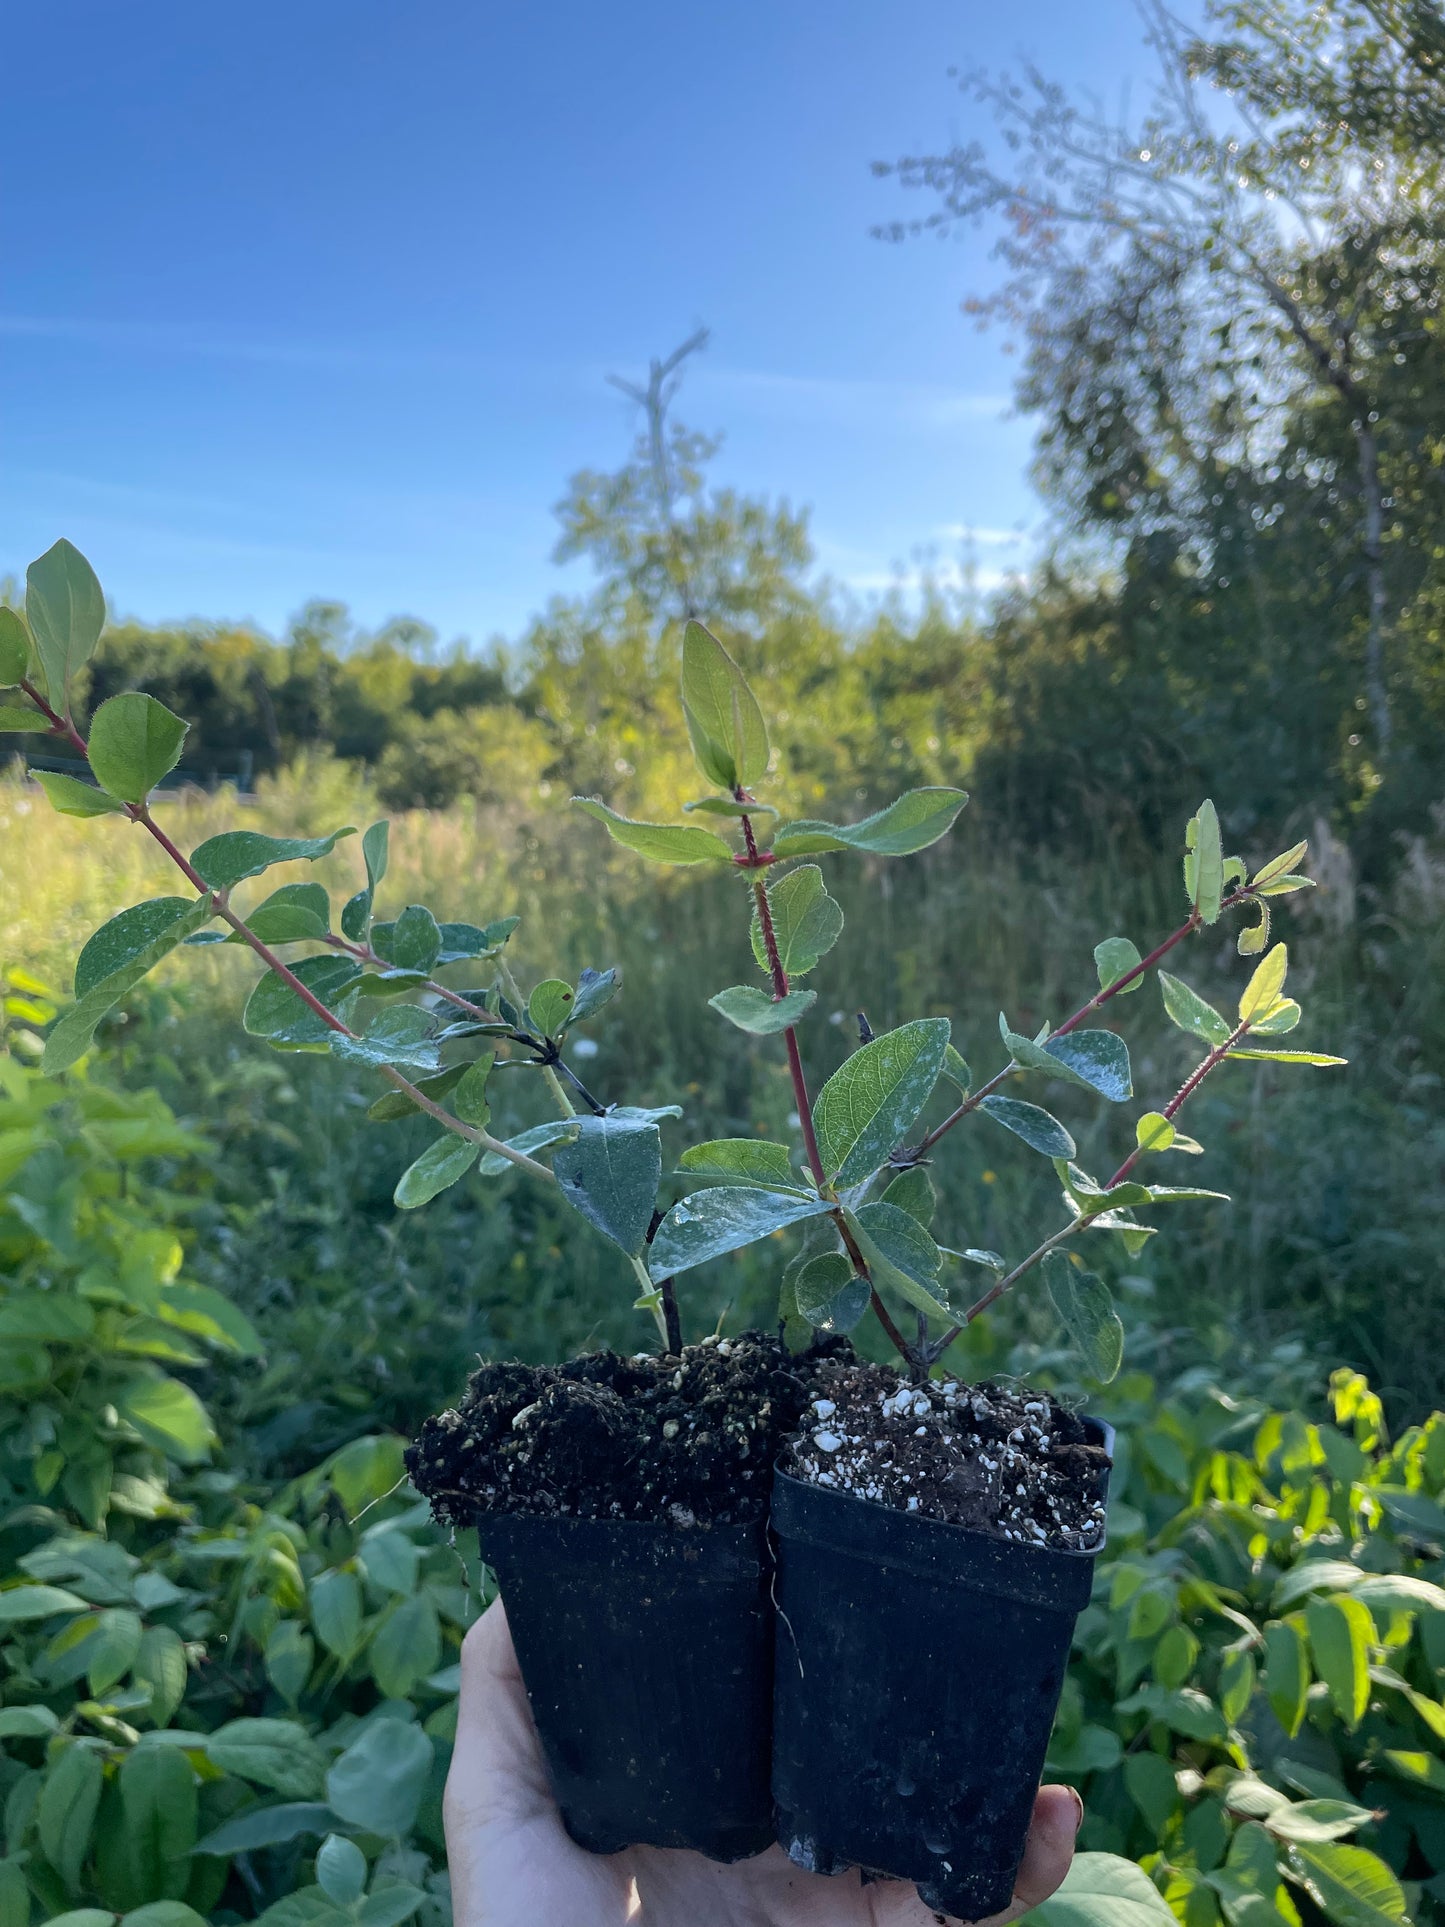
(195, 1679)
(1254, 1710)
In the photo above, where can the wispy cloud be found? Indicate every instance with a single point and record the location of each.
(971, 535)
(849, 402)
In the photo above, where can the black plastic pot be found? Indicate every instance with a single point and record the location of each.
(919, 1668)
(647, 1654)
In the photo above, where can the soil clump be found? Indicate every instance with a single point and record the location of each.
(689, 1438)
(1011, 1462)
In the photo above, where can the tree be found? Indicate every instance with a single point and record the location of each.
(1259, 249)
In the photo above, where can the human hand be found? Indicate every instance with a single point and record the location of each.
(513, 1864)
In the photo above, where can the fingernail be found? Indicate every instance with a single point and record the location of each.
(1079, 1803)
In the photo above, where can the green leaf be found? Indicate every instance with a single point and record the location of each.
(470, 1102)
(394, 1104)
(461, 941)
(1313, 1821)
(1341, 1635)
(21, 1603)
(915, 820)
(65, 1815)
(290, 1656)
(829, 1293)
(1114, 958)
(1255, 936)
(594, 989)
(402, 1036)
(1084, 1303)
(169, 1416)
(912, 1191)
(134, 742)
(610, 1173)
(268, 1826)
(378, 1782)
(1096, 1060)
(413, 942)
(1204, 863)
(1287, 886)
(73, 798)
(160, 1667)
(275, 1012)
(1264, 990)
(749, 1159)
(1316, 1057)
(1154, 1132)
(1278, 866)
(869, 1102)
(296, 913)
(28, 1723)
(1190, 1012)
(1102, 1891)
(807, 922)
(556, 1130)
(900, 1254)
(14, 648)
(729, 736)
(1355, 1888)
(441, 1164)
(957, 1071)
(658, 842)
(21, 719)
(112, 1648)
(1175, 1194)
(388, 1906)
(65, 607)
(710, 1223)
(753, 1010)
(341, 1869)
(279, 1754)
(549, 1007)
(225, 860)
(1283, 1016)
(1035, 1126)
(336, 1613)
(725, 806)
(406, 1647)
(113, 962)
(158, 1799)
(375, 851)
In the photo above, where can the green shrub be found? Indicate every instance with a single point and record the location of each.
(197, 1679)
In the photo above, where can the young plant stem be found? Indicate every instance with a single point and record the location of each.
(140, 813)
(658, 1307)
(671, 1318)
(1171, 1110)
(910, 1354)
(1181, 1097)
(1242, 895)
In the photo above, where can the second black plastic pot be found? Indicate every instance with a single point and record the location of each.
(919, 1668)
(647, 1654)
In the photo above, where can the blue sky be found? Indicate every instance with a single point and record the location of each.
(318, 299)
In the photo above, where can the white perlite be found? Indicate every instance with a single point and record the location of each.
(1022, 1477)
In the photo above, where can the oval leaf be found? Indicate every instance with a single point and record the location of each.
(65, 607)
(610, 1172)
(915, 820)
(1084, 1303)
(658, 842)
(729, 736)
(230, 858)
(749, 1159)
(441, 1164)
(869, 1102)
(807, 922)
(710, 1223)
(134, 742)
(1038, 1129)
(753, 1010)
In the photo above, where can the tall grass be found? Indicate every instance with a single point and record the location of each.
(1334, 1235)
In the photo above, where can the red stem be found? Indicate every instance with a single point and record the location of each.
(909, 1353)
(1181, 1097)
(1171, 1110)
(1145, 964)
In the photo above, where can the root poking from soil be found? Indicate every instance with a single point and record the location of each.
(690, 1439)
(1012, 1463)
